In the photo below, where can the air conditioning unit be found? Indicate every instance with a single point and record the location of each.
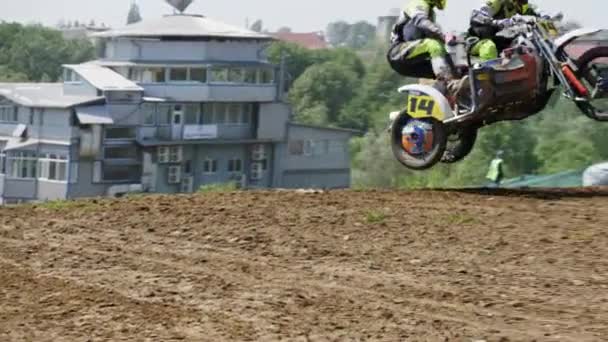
(174, 175)
(257, 171)
(163, 154)
(175, 154)
(187, 185)
(258, 152)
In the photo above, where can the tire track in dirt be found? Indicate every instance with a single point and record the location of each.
(257, 269)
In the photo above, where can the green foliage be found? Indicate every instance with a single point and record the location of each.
(335, 87)
(220, 187)
(374, 217)
(36, 53)
(354, 36)
(323, 89)
(298, 59)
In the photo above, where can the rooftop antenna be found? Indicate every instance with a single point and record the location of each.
(180, 5)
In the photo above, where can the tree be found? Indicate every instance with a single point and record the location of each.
(284, 29)
(31, 52)
(257, 26)
(329, 84)
(134, 16)
(298, 59)
(337, 32)
(360, 34)
(354, 36)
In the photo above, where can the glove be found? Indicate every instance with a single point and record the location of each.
(525, 19)
(503, 23)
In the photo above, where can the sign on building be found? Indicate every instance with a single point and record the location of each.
(196, 132)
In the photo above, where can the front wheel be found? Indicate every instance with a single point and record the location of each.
(459, 145)
(418, 144)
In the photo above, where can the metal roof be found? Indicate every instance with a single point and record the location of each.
(97, 115)
(16, 144)
(170, 63)
(103, 78)
(182, 25)
(48, 95)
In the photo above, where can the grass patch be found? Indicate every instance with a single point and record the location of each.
(460, 219)
(374, 217)
(59, 205)
(219, 187)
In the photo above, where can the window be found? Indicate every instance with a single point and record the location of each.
(227, 113)
(266, 76)
(23, 165)
(148, 111)
(9, 113)
(154, 75)
(170, 154)
(251, 76)
(219, 75)
(308, 147)
(147, 75)
(210, 166)
(188, 167)
(53, 167)
(247, 113)
(2, 163)
(198, 75)
(235, 112)
(236, 75)
(120, 173)
(219, 113)
(296, 147)
(120, 152)
(116, 133)
(235, 165)
(192, 114)
(164, 114)
(178, 74)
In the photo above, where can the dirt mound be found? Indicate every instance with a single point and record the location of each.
(345, 265)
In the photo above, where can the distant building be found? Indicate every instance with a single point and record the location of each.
(310, 40)
(170, 105)
(82, 31)
(385, 25)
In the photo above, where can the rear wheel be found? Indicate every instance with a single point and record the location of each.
(593, 71)
(418, 144)
(459, 145)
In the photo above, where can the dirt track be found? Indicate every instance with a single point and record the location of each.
(269, 266)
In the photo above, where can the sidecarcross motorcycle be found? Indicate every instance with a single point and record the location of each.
(433, 128)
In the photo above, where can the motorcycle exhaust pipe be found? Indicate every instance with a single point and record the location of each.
(574, 81)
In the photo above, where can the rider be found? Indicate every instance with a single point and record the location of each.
(491, 18)
(418, 43)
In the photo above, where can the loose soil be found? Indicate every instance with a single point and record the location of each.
(308, 266)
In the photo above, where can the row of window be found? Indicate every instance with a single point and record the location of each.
(29, 165)
(221, 75)
(9, 113)
(310, 148)
(197, 113)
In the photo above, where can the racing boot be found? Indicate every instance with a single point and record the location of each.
(447, 83)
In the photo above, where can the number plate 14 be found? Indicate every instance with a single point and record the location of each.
(423, 106)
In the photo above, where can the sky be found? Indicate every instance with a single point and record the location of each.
(301, 16)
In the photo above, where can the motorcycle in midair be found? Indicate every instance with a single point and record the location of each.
(434, 128)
